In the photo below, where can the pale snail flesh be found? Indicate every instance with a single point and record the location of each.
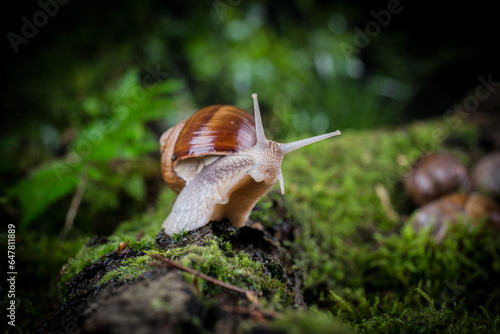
(227, 187)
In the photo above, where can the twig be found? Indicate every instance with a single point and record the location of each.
(212, 280)
(73, 208)
(385, 200)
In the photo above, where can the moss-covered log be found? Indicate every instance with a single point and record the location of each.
(333, 255)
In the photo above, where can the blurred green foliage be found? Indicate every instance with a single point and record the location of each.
(107, 150)
(95, 118)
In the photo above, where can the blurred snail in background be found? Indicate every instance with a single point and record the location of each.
(486, 175)
(454, 209)
(433, 182)
(220, 162)
(435, 175)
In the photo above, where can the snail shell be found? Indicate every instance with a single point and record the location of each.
(453, 209)
(486, 175)
(433, 176)
(197, 142)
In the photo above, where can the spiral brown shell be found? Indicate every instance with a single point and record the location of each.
(486, 175)
(434, 176)
(454, 209)
(211, 132)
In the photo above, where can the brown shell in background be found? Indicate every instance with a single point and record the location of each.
(211, 132)
(486, 175)
(453, 209)
(434, 176)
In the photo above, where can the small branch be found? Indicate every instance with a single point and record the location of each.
(385, 200)
(207, 278)
(73, 208)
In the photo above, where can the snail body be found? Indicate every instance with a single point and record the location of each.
(227, 183)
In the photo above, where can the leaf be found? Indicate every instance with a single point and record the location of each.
(47, 184)
(134, 186)
(100, 196)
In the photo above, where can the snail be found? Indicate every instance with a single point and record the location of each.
(221, 180)
(454, 209)
(433, 176)
(486, 175)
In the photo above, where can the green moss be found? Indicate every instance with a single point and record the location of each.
(90, 254)
(181, 236)
(216, 259)
(361, 266)
(270, 210)
(455, 318)
(331, 193)
(85, 256)
(130, 270)
(312, 321)
(368, 264)
(138, 232)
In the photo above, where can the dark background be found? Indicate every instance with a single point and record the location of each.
(464, 34)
